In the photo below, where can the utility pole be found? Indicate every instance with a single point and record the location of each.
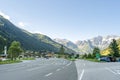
(5, 51)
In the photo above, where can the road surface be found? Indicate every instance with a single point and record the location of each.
(40, 69)
(60, 69)
(98, 71)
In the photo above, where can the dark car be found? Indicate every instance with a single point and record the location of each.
(106, 59)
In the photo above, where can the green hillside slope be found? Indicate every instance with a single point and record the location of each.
(35, 42)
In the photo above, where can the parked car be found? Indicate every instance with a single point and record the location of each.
(118, 59)
(106, 59)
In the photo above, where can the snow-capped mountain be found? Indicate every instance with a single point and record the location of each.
(101, 42)
(87, 46)
(66, 43)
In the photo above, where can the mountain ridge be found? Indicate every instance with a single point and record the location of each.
(86, 46)
(29, 41)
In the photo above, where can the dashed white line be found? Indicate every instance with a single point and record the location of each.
(48, 74)
(58, 69)
(82, 74)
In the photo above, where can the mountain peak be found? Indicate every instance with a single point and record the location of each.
(87, 46)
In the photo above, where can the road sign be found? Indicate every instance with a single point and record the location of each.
(97, 55)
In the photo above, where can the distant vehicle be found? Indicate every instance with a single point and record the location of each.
(118, 59)
(106, 59)
(46, 57)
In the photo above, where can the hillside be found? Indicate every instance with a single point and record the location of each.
(67, 43)
(35, 42)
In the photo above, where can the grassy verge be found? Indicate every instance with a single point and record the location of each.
(93, 60)
(9, 61)
(28, 59)
(71, 59)
(15, 61)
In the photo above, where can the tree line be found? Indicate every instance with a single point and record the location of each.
(114, 51)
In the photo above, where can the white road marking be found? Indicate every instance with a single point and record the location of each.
(82, 74)
(110, 70)
(58, 69)
(48, 74)
(63, 67)
(68, 64)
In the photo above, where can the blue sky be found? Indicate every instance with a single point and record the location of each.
(69, 19)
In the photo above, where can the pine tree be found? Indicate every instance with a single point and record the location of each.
(62, 50)
(114, 48)
(89, 55)
(96, 50)
(84, 55)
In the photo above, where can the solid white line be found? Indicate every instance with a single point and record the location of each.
(58, 69)
(48, 74)
(110, 70)
(81, 74)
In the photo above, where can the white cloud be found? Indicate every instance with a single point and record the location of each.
(4, 15)
(21, 24)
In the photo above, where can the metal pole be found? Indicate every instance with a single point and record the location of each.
(5, 51)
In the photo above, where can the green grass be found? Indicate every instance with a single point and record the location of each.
(15, 61)
(28, 59)
(10, 61)
(71, 59)
(93, 60)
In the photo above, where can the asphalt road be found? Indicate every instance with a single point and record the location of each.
(60, 69)
(98, 71)
(40, 69)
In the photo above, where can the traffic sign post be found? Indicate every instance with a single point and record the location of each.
(97, 55)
